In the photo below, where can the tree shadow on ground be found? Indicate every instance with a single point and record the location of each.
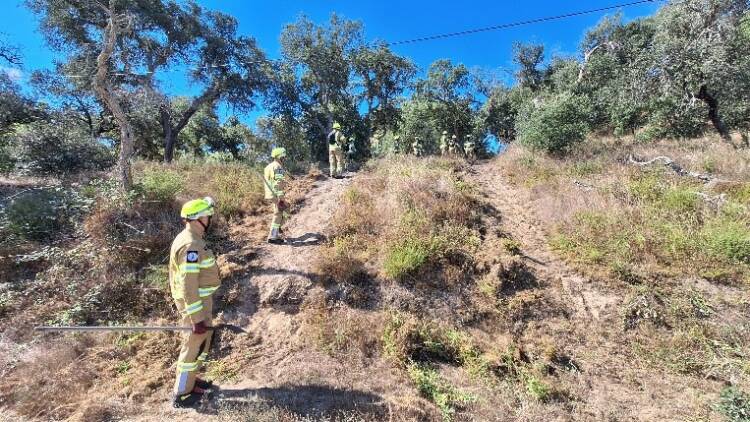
(316, 401)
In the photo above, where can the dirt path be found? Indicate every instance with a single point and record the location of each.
(519, 221)
(278, 367)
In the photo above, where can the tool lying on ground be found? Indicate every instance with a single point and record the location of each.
(231, 328)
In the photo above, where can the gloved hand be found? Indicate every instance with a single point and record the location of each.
(282, 205)
(199, 328)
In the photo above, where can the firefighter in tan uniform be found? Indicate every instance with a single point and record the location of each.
(193, 279)
(275, 182)
(336, 142)
(444, 143)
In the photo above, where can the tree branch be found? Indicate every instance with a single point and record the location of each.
(668, 162)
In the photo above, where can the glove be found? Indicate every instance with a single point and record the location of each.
(282, 205)
(199, 328)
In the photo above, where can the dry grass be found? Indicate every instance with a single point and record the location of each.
(675, 263)
(408, 220)
(116, 274)
(629, 219)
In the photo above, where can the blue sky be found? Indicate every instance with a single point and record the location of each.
(383, 19)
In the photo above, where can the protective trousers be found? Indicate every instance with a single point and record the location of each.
(336, 160)
(194, 349)
(277, 219)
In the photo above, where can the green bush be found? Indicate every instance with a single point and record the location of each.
(47, 149)
(7, 163)
(405, 257)
(556, 125)
(41, 214)
(436, 389)
(735, 405)
(160, 184)
(728, 239)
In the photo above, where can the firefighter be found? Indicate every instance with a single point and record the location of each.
(444, 143)
(453, 146)
(470, 150)
(416, 147)
(336, 141)
(274, 175)
(193, 279)
(350, 153)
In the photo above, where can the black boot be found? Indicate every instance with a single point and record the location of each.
(276, 241)
(187, 400)
(204, 384)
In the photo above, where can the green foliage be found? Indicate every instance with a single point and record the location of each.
(735, 405)
(436, 389)
(727, 239)
(554, 126)
(160, 184)
(405, 258)
(44, 149)
(42, 214)
(537, 388)
(7, 162)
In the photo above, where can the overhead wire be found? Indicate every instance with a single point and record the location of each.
(521, 23)
(415, 40)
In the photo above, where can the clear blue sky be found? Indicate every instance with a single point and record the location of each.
(383, 19)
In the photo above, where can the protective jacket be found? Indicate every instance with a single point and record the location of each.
(275, 178)
(193, 276)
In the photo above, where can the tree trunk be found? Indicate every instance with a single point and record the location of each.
(171, 131)
(103, 90)
(713, 113)
(169, 135)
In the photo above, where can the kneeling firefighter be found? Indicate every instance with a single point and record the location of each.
(193, 279)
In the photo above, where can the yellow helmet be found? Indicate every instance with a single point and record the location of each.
(278, 153)
(197, 208)
(336, 125)
(445, 132)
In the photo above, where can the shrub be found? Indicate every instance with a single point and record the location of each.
(436, 389)
(45, 149)
(728, 240)
(405, 257)
(160, 184)
(735, 405)
(556, 125)
(7, 163)
(42, 214)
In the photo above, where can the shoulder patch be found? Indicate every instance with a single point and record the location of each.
(192, 256)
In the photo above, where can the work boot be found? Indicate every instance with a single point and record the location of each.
(203, 384)
(187, 400)
(276, 241)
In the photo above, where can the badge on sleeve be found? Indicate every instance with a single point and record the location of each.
(192, 256)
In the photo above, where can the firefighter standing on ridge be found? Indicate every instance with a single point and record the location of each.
(274, 176)
(193, 278)
(336, 141)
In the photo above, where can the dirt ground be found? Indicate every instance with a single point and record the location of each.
(269, 369)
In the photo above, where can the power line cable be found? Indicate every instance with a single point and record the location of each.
(520, 23)
(415, 40)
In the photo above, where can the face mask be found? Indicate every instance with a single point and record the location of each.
(205, 226)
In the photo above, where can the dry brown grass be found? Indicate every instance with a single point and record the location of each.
(117, 274)
(407, 219)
